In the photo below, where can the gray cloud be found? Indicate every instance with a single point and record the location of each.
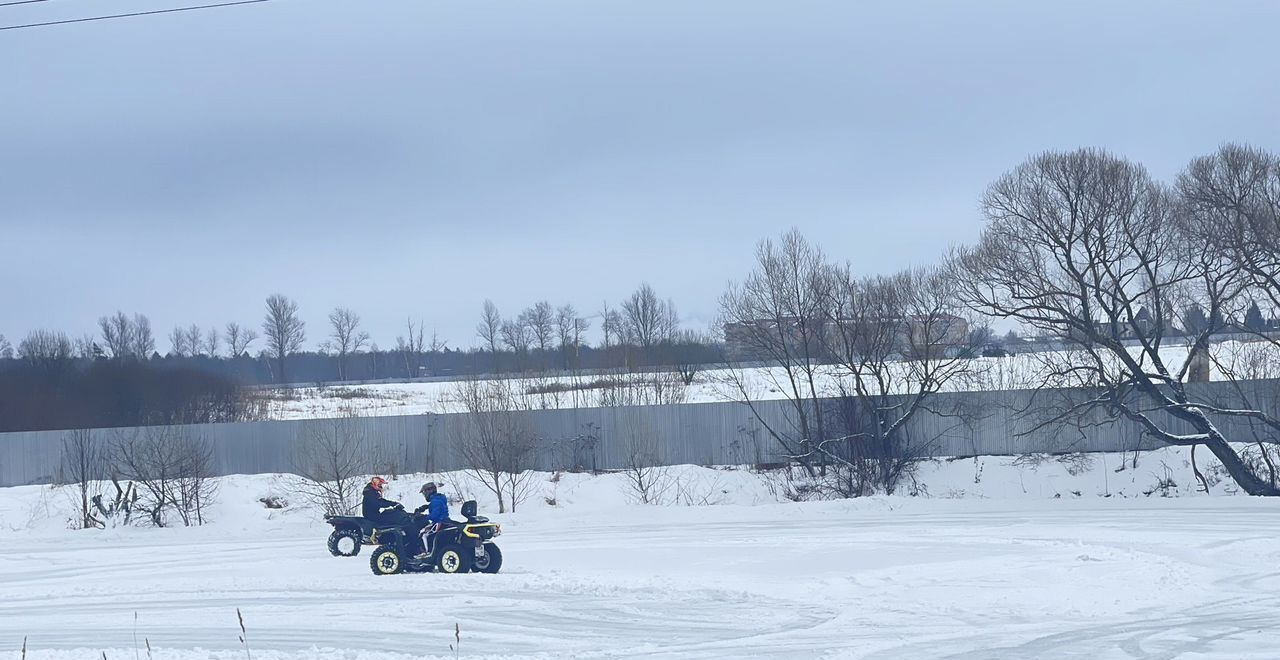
(412, 158)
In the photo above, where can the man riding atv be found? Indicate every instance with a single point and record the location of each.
(379, 509)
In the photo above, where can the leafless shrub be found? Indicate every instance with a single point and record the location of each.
(645, 389)
(172, 469)
(648, 479)
(85, 466)
(1076, 463)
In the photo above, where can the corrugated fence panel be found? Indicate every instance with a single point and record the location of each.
(956, 424)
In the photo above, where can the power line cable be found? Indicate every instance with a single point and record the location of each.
(137, 13)
(21, 2)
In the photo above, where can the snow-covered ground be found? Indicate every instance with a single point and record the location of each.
(1002, 560)
(1024, 371)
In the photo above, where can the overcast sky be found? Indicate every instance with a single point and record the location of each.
(414, 157)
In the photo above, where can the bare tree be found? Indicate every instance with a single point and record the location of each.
(1076, 245)
(570, 330)
(172, 469)
(412, 347)
(648, 479)
(332, 461)
(118, 335)
(46, 348)
(517, 337)
(6, 349)
(85, 465)
(895, 342)
(195, 340)
(178, 345)
(144, 343)
(779, 314)
(610, 326)
(648, 321)
(284, 330)
(212, 341)
(496, 444)
(239, 339)
(86, 348)
(125, 337)
(541, 322)
(346, 337)
(489, 330)
(1233, 200)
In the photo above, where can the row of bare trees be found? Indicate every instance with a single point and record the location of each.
(163, 474)
(856, 357)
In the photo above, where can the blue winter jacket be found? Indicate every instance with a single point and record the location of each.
(437, 508)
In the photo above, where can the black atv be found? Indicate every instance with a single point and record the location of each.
(459, 547)
(349, 533)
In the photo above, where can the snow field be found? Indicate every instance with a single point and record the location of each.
(1010, 564)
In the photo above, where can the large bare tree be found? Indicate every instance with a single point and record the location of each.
(778, 315)
(895, 342)
(541, 321)
(345, 337)
(118, 335)
(489, 330)
(1086, 246)
(649, 321)
(284, 330)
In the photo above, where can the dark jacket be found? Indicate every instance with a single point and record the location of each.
(378, 508)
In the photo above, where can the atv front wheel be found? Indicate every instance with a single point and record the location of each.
(453, 559)
(386, 561)
(490, 561)
(344, 543)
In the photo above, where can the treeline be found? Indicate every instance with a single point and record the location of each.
(119, 376)
(87, 393)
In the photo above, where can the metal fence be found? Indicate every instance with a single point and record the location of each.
(957, 424)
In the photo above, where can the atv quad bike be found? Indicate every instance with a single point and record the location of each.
(351, 532)
(459, 547)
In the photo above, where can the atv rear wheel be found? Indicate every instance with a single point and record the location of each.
(490, 561)
(453, 559)
(344, 542)
(386, 561)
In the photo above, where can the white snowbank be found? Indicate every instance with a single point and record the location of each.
(997, 561)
